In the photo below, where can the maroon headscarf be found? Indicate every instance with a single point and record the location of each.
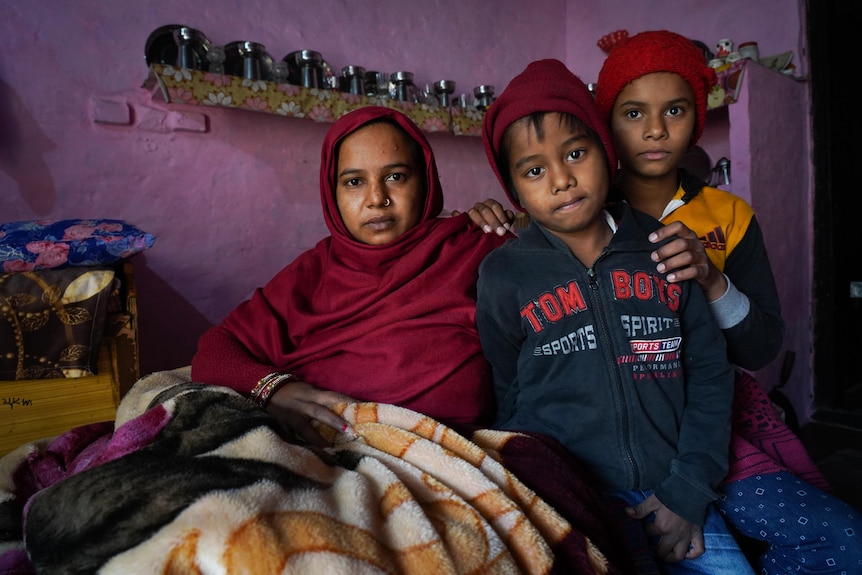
(392, 323)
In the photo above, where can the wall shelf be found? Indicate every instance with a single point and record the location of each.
(196, 87)
(186, 86)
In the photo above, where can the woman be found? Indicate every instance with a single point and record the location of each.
(381, 310)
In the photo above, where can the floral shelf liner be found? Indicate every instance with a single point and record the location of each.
(185, 86)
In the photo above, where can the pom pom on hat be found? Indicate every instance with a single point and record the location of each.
(655, 51)
(543, 86)
(608, 41)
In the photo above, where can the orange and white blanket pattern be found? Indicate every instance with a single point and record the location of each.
(194, 479)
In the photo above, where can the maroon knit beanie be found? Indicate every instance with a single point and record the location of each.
(543, 86)
(655, 51)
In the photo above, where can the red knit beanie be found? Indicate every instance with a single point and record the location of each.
(655, 51)
(543, 86)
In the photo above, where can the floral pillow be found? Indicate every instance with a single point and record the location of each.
(33, 245)
(52, 322)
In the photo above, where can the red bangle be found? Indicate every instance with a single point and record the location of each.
(268, 384)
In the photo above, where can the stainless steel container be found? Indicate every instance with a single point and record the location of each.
(403, 88)
(443, 89)
(484, 96)
(193, 46)
(248, 60)
(353, 80)
(310, 68)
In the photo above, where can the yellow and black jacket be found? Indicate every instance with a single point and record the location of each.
(728, 229)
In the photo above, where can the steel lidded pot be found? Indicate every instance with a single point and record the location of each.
(484, 96)
(177, 45)
(308, 68)
(443, 89)
(161, 47)
(192, 48)
(353, 80)
(248, 60)
(403, 88)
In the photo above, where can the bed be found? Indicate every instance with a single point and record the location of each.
(193, 478)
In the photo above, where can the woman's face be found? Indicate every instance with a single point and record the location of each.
(380, 188)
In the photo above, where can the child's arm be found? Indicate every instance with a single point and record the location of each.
(500, 342)
(748, 310)
(704, 430)
(756, 340)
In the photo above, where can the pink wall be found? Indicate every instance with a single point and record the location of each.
(232, 195)
(771, 159)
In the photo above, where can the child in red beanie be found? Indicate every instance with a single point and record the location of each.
(588, 343)
(652, 89)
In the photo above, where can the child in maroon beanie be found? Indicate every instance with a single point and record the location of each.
(652, 90)
(588, 342)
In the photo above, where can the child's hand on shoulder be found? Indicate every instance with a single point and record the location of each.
(684, 258)
(490, 216)
(678, 539)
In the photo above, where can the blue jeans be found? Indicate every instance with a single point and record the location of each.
(722, 556)
(807, 529)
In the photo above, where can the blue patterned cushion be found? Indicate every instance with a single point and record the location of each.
(52, 244)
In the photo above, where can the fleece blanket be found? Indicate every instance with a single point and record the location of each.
(195, 479)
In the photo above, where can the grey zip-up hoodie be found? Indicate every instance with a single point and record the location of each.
(627, 370)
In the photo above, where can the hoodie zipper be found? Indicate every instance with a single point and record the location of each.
(615, 372)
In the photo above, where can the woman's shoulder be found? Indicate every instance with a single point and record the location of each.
(461, 230)
(308, 265)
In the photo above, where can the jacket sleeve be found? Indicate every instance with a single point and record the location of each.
(704, 437)
(756, 340)
(500, 342)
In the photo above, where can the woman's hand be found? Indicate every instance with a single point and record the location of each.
(301, 408)
(685, 258)
(677, 538)
(490, 216)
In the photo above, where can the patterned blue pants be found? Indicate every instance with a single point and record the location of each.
(806, 529)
